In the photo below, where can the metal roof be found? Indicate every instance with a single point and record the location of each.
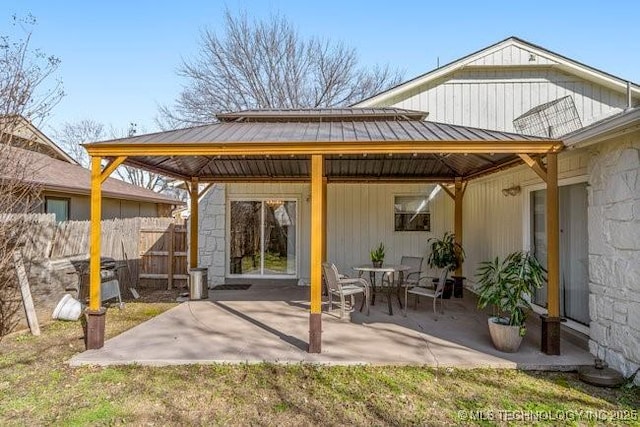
(331, 131)
(330, 128)
(323, 114)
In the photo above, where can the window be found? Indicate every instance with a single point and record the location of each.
(57, 206)
(411, 213)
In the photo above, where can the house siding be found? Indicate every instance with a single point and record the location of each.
(493, 223)
(513, 55)
(491, 98)
(359, 217)
(80, 207)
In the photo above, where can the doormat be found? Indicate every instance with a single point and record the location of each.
(235, 287)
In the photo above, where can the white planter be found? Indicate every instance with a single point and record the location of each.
(505, 337)
(68, 308)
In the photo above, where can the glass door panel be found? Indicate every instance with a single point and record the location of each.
(574, 274)
(279, 237)
(263, 238)
(245, 237)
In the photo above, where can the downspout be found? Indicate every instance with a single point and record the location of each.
(629, 106)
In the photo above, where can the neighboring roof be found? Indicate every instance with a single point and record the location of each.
(550, 59)
(277, 145)
(625, 121)
(60, 176)
(24, 129)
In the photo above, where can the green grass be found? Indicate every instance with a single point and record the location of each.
(37, 387)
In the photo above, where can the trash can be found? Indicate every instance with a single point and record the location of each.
(198, 283)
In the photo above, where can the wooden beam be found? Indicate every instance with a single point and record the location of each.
(317, 248)
(95, 314)
(336, 179)
(96, 217)
(25, 291)
(457, 229)
(551, 325)
(446, 190)
(110, 167)
(193, 224)
(205, 189)
(536, 165)
(262, 148)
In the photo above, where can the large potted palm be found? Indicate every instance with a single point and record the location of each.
(445, 253)
(508, 286)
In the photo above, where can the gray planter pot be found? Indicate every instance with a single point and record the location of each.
(505, 337)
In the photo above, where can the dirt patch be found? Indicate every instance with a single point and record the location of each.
(151, 295)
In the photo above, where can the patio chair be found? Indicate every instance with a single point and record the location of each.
(342, 287)
(436, 293)
(412, 276)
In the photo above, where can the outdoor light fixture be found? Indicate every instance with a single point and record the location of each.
(514, 190)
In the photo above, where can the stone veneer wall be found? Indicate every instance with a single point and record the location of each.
(614, 253)
(212, 227)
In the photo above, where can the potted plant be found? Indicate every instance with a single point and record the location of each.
(445, 253)
(508, 286)
(377, 255)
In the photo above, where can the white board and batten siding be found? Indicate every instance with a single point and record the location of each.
(511, 55)
(494, 223)
(491, 98)
(359, 217)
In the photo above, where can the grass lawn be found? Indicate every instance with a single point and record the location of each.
(38, 388)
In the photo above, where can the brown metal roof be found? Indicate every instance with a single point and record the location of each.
(365, 126)
(332, 131)
(323, 115)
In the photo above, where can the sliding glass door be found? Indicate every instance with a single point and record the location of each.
(262, 238)
(574, 273)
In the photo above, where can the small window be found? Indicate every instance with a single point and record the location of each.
(412, 213)
(57, 206)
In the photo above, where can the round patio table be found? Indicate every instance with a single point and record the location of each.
(390, 271)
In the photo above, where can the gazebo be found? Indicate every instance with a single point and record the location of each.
(322, 146)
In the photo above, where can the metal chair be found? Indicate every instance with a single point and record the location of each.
(343, 287)
(436, 293)
(412, 276)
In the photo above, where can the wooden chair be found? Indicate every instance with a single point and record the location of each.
(436, 293)
(344, 287)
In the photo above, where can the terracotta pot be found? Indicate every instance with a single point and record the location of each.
(505, 337)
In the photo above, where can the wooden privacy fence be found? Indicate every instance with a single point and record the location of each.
(152, 248)
(163, 253)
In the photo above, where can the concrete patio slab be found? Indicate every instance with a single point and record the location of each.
(269, 323)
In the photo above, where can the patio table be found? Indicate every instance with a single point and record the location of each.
(388, 270)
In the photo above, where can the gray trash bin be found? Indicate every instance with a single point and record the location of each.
(198, 283)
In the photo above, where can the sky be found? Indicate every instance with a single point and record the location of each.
(119, 58)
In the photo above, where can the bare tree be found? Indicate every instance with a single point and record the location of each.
(71, 135)
(135, 176)
(267, 64)
(26, 95)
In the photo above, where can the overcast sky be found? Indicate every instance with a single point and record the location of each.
(119, 57)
